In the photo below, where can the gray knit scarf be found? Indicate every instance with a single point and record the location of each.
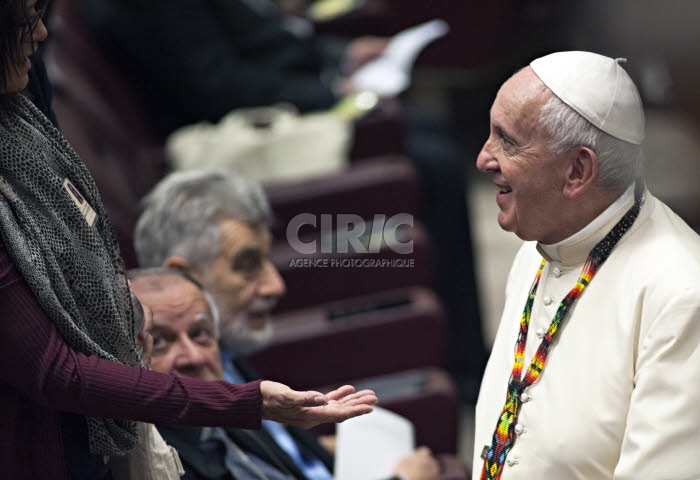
(74, 270)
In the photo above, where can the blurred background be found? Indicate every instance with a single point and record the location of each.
(426, 331)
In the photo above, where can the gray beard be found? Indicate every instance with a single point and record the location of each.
(240, 339)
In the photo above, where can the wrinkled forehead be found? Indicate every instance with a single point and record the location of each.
(520, 100)
(173, 299)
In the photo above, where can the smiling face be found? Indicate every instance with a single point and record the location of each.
(529, 178)
(184, 341)
(17, 77)
(245, 285)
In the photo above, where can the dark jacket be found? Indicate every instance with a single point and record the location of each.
(191, 61)
(205, 463)
(208, 463)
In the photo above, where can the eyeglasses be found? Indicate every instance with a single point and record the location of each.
(29, 27)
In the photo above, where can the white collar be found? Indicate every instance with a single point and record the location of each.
(615, 210)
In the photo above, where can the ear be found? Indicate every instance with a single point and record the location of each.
(181, 263)
(581, 172)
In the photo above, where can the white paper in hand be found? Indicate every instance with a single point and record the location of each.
(368, 447)
(390, 74)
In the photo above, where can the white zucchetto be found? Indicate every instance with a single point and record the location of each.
(598, 88)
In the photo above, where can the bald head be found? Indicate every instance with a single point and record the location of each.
(154, 283)
(156, 279)
(184, 326)
(526, 86)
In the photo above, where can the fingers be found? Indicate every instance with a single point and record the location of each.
(366, 397)
(341, 392)
(363, 393)
(309, 399)
(346, 396)
(310, 408)
(339, 396)
(338, 414)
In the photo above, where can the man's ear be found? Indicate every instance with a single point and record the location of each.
(581, 172)
(180, 263)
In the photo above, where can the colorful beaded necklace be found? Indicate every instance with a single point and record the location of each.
(504, 435)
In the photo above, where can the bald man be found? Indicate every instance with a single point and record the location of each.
(184, 331)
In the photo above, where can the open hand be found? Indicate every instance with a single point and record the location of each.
(308, 409)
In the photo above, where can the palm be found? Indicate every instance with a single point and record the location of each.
(307, 409)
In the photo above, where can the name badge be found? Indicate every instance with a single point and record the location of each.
(80, 202)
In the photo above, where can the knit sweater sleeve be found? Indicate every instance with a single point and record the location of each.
(35, 360)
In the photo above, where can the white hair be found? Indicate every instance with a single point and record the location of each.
(181, 215)
(619, 162)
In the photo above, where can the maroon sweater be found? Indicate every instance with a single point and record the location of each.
(40, 376)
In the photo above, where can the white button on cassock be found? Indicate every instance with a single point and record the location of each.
(524, 397)
(540, 332)
(547, 300)
(519, 429)
(556, 272)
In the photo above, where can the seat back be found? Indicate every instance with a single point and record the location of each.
(376, 334)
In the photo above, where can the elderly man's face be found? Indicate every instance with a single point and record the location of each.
(245, 285)
(528, 178)
(184, 340)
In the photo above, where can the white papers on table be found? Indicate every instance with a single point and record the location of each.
(369, 447)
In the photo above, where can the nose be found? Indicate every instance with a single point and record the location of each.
(188, 359)
(486, 161)
(270, 283)
(40, 32)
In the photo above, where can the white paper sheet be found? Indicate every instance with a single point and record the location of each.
(369, 447)
(390, 74)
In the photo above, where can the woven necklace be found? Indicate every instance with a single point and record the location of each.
(504, 435)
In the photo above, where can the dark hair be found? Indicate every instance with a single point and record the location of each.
(13, 15)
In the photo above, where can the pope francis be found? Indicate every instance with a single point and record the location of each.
(595, 370)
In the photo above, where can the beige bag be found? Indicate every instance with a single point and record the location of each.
(265, 144)
(151, 459)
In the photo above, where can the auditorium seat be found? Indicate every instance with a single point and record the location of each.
(375, 334)
(386, 184)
